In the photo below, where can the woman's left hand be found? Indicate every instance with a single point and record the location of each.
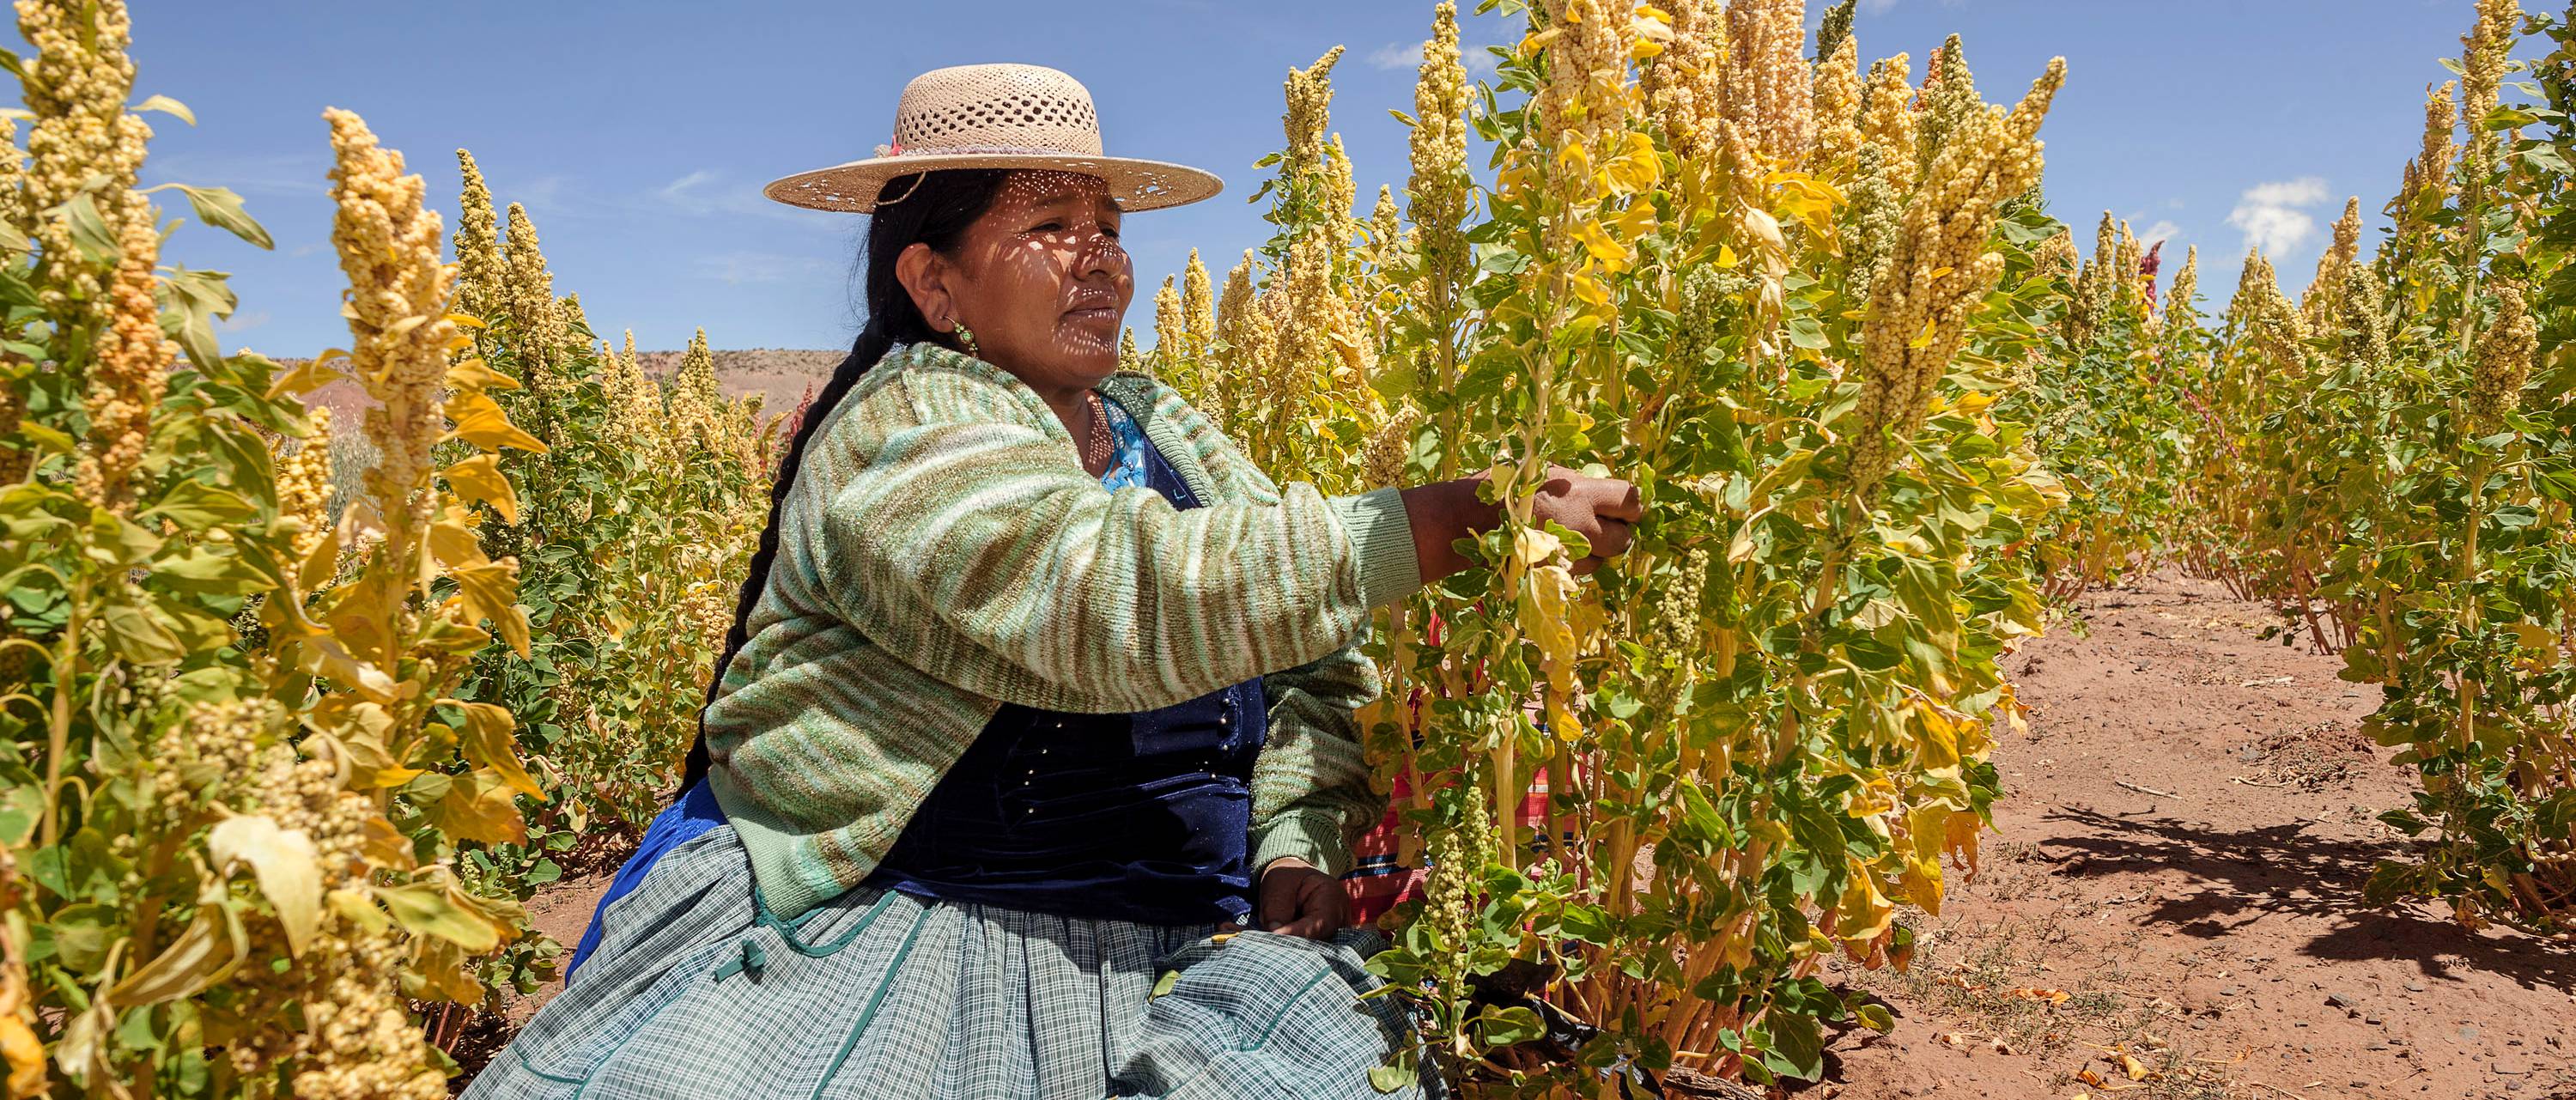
(1296, 899)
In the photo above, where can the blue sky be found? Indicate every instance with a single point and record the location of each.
(638, 133)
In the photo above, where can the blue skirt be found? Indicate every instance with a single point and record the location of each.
(695, 989)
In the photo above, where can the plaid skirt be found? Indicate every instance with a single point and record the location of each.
(697, 990)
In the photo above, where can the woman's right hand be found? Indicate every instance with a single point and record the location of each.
(1603, 510)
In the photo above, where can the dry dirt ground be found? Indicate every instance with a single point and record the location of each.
(2180, 855)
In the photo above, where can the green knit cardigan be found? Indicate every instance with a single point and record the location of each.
(942, 551)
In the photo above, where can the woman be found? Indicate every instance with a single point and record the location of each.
(1037, 690)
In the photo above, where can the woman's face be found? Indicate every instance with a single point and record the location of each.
(1040, 280)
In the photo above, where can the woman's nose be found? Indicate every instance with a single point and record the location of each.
(1099, 254)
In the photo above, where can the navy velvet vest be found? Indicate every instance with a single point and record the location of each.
(1141, 817)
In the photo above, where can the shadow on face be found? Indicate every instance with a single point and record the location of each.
(1040, 280)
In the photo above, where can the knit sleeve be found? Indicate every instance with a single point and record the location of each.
(975, 547)
(1311, 794)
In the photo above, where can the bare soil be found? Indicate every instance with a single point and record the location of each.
(2170, 906)
(2180, 854)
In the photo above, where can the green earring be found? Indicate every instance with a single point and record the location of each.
(966, 336)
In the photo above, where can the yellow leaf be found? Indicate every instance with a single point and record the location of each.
(490, 591)
(2130, 1065)
(1636, 221)
(487, 741)
(1600, 246)
(479, 805)
(480, 479)
(323, 564)
(1588, 289)
(372, 766)
(1936, 742)
(203, 954)
(1864, 913)
(444, 973)
(1573, 160)
(474, 374)
(308, 376)
(430, 909)
(1637, 167)
(480, 421)
(26, 1057)
(287, 865)
(1922, 884)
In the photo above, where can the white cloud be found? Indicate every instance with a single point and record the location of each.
(706, 191)
(2161, 231)
(1396, 55)
(2272, 215)
(242, 322)
(254, 174)
(1877, 7)
(741, 267)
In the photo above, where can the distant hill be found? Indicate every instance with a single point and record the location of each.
(780, 375)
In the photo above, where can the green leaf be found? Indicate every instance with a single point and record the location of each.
(170, 106)
(429, 910)
(221, 208)
(89, 230)
(136, 633)
(1502, 1027)
(1876, 1017)
(287, 865)
(1390, 1078)
(1797, 1047)
(198, 506)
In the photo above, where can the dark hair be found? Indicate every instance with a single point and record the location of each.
(933, 208)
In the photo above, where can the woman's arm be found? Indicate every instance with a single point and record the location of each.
(958, 534)
(1310, 785)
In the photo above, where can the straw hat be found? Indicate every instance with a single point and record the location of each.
(994, 116)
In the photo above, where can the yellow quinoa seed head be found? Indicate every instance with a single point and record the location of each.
(76, 85)
(1769, 86)
(1584, 100)
(1684, 85)
(1436, 194)
(2503, 360)
(1198, 308)
(1917, 317)
(1888, 122)
(478, 252)
(528, 300)
(129, 372)
(2186, 286)
(1310, 98)
(2057, 257)
(2485, 50)
(304, 485)
(2441, 124)
(398, 301)
(1171, 330)
(1838, 110)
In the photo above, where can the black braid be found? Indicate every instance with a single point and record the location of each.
(935, 211)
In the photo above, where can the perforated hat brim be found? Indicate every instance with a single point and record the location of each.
(1001, 115)
(1133, 184)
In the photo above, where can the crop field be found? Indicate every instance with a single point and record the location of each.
(2028, 683)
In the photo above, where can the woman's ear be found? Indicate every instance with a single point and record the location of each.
(924, 274)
